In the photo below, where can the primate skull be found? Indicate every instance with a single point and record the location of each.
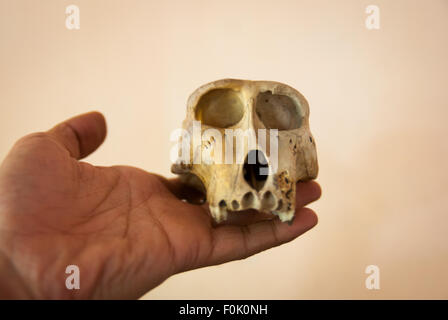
(222, 153)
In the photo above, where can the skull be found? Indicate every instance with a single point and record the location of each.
(239, 175)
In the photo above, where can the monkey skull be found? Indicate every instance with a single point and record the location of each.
(245, 144)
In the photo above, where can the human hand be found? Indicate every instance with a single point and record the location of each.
(126, 229)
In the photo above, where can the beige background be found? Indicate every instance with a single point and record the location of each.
(378, 112)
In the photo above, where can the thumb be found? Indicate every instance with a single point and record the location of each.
(81, 135)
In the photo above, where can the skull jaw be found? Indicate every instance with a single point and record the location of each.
(233, 193)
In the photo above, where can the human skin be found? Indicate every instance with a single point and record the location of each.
(126, 229)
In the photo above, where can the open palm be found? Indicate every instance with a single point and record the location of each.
(126, 229)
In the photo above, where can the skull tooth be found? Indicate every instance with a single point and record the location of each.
(219, 213)
(248, 200)
(235, 205)
(268, 201)
(285, 216)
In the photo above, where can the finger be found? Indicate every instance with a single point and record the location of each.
(82, 134)
(238, 242)
(307, 192)
(184, 191)
(246, 217)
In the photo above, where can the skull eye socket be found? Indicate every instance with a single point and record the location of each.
(277, 111)
(220, 108)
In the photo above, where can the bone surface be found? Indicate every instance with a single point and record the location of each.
(260, 173)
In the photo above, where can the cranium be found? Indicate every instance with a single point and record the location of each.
(239, 184)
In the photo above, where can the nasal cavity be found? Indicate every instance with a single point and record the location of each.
(255, 169)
